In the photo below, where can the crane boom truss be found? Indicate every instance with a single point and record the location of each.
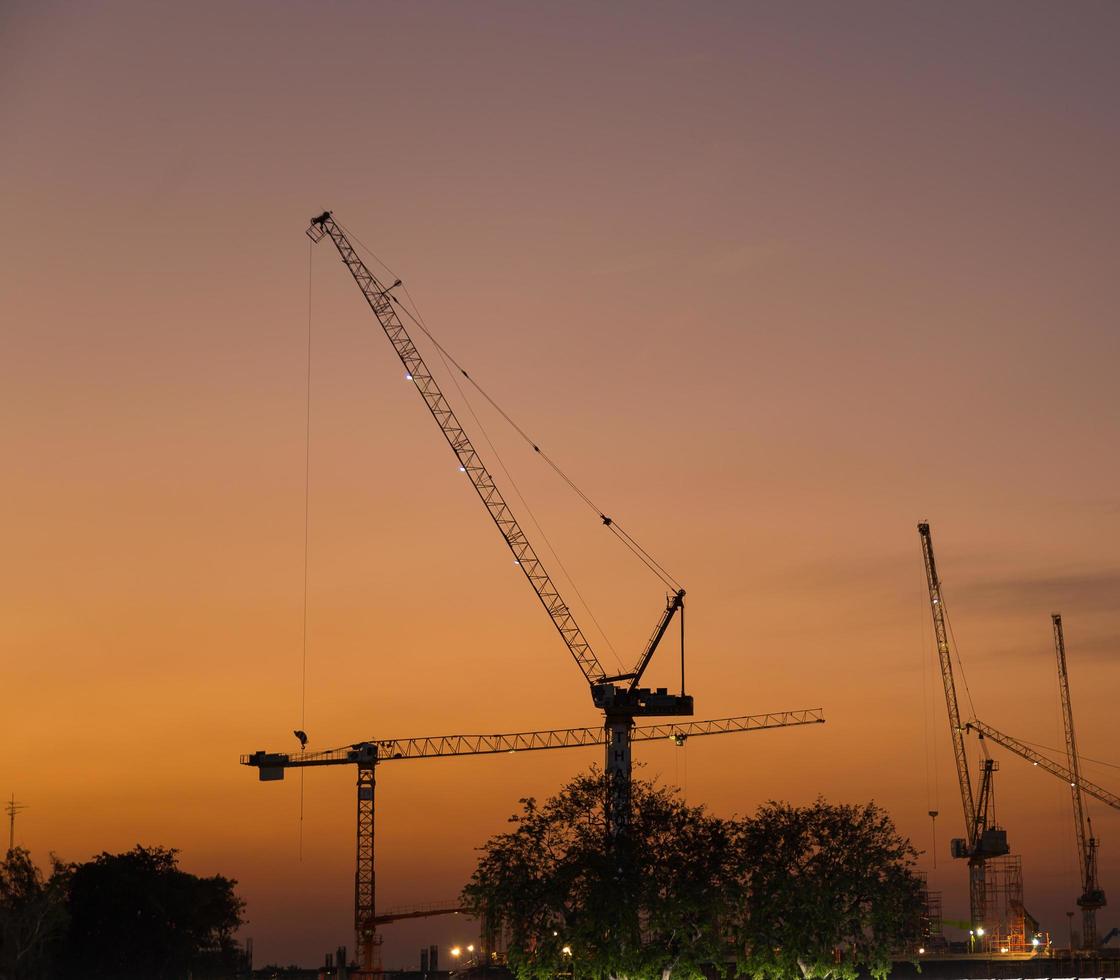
(381, 303)
(1071, 746)
(437, 746)
(937, 607)
(1044, 762)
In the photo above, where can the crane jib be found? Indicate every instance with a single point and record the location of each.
(640, 701)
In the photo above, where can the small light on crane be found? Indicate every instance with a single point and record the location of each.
(462, 469)
(407, 376)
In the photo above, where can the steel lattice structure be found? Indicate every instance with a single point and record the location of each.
(620, 704)
(983, 840)
(1024, 751)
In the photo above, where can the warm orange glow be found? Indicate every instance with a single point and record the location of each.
(773, 283)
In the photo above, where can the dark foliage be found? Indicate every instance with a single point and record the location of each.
(136, 915)
(815, 891)
(117, 917)
(33, 916)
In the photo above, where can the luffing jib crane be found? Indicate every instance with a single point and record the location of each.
(366, 756)
(1043, 762)
(618, 695)
(1092, 895)
(984, 839)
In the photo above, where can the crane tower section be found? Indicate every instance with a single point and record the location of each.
(1092, 895)
(983, 839)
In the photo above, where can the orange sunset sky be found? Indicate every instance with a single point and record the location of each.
(772, 281)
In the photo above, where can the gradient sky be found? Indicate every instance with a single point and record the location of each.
(774, 282)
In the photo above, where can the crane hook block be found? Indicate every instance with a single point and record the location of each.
(606, 520)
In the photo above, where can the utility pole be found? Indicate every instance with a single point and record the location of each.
(13, 808)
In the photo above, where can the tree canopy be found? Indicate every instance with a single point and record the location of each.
(33, 916)
(120, 916)
(831, 888)
(795, 891)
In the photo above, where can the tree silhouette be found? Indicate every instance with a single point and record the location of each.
(816, 891)
(136, 915)
(33, 916)
(832, 890)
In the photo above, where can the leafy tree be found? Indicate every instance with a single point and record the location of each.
(651, 907)
(831, 888)
(137, 915)
(794, 892)
(32, 916)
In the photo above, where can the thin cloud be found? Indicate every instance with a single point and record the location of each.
(1085, 591)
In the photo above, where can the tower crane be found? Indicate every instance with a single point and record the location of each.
(368, 755)
(1043, 762)
(618, 695)
(1092, 895)
(983, 840)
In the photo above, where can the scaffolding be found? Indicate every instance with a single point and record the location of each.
(1011, 928)
(933, 937)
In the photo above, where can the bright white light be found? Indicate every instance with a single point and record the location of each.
(1071, 784)
(455, 951)
(555, 933)
(566, 950)
(1003, 949)
(516, 562)
(407, 376)
(1035, 941)
(470, 949)
(979, 930)
(921, 949)
(462, 469)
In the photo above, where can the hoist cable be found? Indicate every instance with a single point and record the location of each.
(306, 530)
(529, 510)
(446, 357)
(619, 532)
(646, 558)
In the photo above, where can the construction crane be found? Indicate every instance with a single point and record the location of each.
(1092, 895)
(366, 756)
(618, 695)
(1044, 762)
(983, 840)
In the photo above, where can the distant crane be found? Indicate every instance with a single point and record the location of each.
(366, 756)
(984, 839)
(618, 695)
(1092, 895)
(1044, 762)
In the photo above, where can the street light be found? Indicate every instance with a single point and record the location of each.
(456, 952)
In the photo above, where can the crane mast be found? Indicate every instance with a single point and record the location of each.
(984, 840)
(1092, 896)
(945, 659)
(620, 704)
